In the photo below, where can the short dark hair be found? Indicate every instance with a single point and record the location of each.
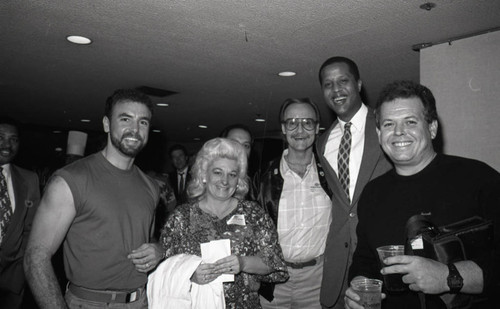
(6, 120)
(404, 89)
(177, 147)
(127, 95)
(10, 121)
(225, 132)
(291, 101)
(353, 67)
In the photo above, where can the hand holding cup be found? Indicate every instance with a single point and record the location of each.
(393, 282)
(369, 292)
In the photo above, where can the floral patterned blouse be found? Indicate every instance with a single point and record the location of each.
(189, 226)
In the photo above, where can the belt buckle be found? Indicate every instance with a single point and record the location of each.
(131, 297)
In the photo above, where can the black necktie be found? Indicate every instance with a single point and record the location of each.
(181, 183)
(343, 159)
(5, 206)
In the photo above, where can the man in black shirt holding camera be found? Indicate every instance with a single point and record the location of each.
(445, 188)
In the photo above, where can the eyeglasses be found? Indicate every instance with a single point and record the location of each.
(308, 124)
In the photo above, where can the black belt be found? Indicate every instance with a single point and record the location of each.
(105, 296)
(299, 265)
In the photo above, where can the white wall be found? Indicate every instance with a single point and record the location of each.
(464, 76)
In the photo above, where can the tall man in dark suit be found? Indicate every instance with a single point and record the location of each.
(180, 176)
(19, 198)
(351, 156)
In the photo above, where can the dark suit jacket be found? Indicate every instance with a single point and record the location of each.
(27, 196)
(182, 196)
(341, 241)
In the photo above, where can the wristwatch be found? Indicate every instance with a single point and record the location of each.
(455, 281)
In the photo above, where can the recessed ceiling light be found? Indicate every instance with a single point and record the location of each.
(162, 104)
(260, 120)
(156, 130)
(58, 149)
(287, 74)
(197, 139)
(85, 120)
(56, 131)
(202, 126)
(81, 40)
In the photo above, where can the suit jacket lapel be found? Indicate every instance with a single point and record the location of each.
(371, 154)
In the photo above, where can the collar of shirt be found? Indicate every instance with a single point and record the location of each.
(183, 171)
(6, 170)
(284, 168)
(358, 121)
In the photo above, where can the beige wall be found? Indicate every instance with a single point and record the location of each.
(465, 79)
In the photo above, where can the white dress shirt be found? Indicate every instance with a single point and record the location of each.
(357, 146)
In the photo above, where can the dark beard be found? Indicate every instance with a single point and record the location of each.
(127, 151)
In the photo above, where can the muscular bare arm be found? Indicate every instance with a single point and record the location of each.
(51, 223)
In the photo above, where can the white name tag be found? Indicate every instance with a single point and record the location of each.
(417, 243)
(237, 220)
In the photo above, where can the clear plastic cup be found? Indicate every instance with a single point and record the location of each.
(392, 282)
(370, 292)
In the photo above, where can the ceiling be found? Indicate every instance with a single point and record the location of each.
(220, 57)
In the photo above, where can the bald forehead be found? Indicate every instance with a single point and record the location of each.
(300, 110)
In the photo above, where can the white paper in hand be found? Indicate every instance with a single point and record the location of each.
(215, 250)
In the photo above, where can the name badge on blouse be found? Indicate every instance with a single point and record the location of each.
(237, 220)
